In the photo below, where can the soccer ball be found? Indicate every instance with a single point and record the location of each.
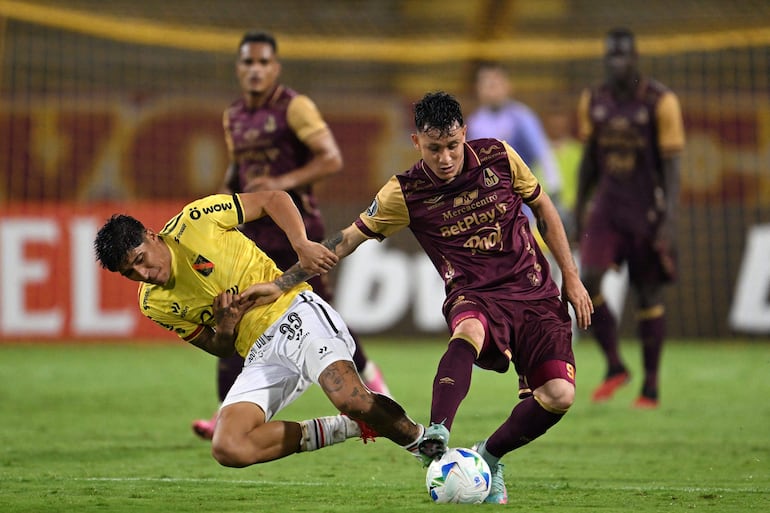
(461, 476)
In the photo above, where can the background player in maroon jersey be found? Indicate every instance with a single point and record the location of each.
(633, 132)
(277, 140)
(463, 202)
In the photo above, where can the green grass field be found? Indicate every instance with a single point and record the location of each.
(89, 428)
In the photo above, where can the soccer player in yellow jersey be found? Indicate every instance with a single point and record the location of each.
(192, 274)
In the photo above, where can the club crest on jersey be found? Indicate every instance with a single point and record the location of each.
(490, 178)
(203, 266)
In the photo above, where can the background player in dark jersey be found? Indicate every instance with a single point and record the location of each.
(277, 140)
(633, 132)
(463, 202)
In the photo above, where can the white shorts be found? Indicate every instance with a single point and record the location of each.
(291, 354)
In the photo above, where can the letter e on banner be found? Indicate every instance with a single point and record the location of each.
(26, 271)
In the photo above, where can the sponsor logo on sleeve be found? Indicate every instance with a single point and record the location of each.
(372, 210)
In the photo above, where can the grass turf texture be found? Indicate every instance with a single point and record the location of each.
(92, 428)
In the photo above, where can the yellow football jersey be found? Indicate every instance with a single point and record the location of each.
(209, 255)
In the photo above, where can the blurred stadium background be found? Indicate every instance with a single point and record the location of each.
(116, 106)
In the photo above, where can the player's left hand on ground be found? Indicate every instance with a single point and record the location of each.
(316, 258)
(575, 292)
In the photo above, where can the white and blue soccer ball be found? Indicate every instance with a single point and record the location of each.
(461, 476)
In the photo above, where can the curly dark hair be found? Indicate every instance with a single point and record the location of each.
(119, 235)
(437, 111)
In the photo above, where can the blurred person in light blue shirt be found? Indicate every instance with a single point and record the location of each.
(501, 117)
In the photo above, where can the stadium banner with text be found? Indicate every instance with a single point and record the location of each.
(51, 287)
(61, 161)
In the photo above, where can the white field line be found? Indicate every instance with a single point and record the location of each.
(680, 489)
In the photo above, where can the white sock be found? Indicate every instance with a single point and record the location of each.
(324, 431)
(490, 459)
(414, 447)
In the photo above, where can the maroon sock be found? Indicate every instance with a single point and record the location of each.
(452, 381)
(652, 332)
(227, 370)
(528, 421)
(605, 329)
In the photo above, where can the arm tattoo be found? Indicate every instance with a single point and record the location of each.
(333, 241)
(542, 226)
(292, 277)
(296, 274)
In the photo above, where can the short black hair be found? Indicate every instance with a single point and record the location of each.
(119, 235)
(620, 40)
(258, 36)
(437, 111)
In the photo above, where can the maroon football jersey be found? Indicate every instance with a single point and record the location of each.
(472, 227)
(262, 142)
(629, 139)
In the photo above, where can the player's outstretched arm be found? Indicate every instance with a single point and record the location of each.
(278, 205)
(342, 243)
(665, 238)
(552, 230)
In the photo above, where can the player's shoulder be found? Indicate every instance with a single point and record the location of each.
(212, 204)
(480, 152)
(656, 85)
(598, 91)
(147, 299)
(236, 106)
(285, 96)
(654, 90)
(521, 109)
(287, 92)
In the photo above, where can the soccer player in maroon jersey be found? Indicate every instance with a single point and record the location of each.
(277, 140)
(633, 133)
(463, 202)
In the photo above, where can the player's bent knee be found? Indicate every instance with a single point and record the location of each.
(556, 396)
(225, 455)
(228, 452)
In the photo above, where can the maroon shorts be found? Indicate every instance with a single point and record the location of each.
(605, 246)
(530, 333)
